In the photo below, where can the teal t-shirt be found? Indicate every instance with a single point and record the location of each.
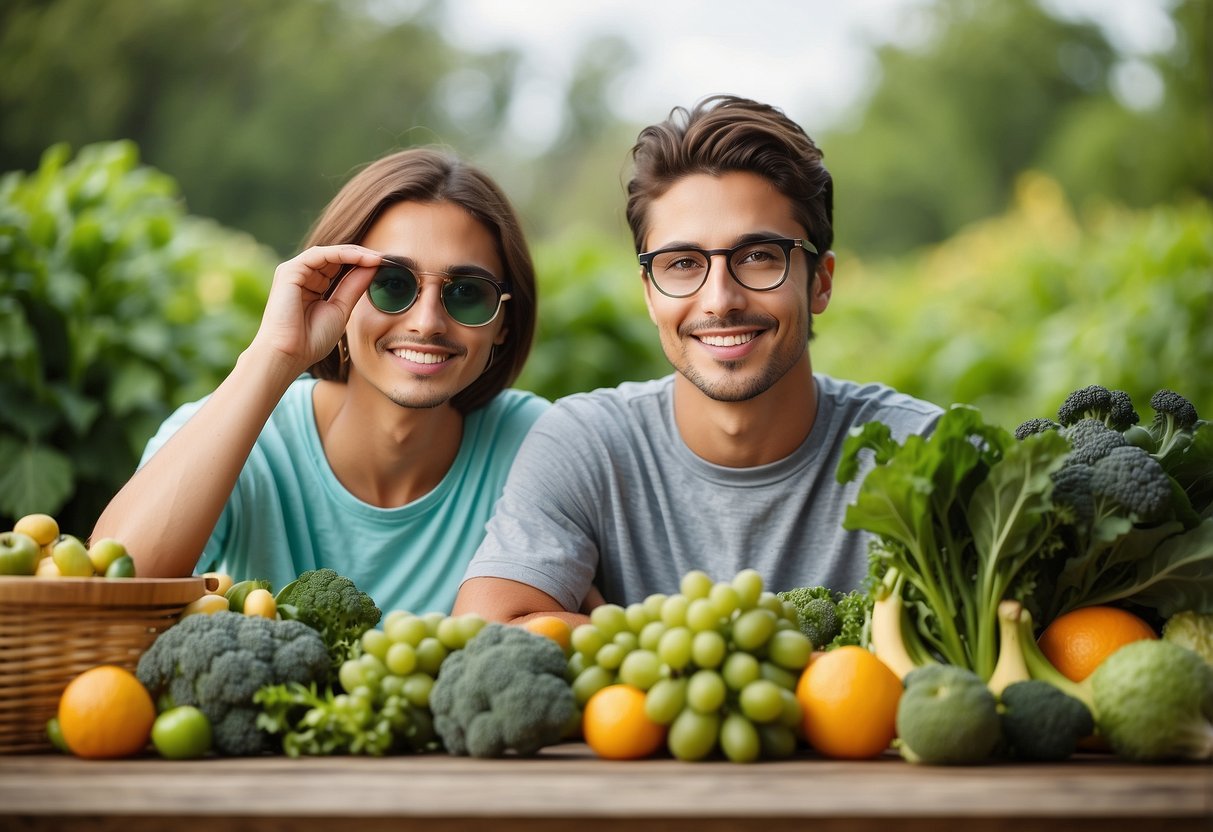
(288, 513)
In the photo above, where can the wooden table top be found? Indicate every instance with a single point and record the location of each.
(567, 787)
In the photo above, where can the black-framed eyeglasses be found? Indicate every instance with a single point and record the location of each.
(760, 265)
(471, 300)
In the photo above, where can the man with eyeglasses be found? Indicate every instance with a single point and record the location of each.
(413, 307)
(729, 463)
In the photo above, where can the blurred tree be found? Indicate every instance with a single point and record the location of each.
(259, 110)
(1000, 87)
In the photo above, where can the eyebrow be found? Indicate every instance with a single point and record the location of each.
(750, 237)
(460, 269)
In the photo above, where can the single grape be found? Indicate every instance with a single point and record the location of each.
(706, 691)
(790, 649)
(708, 649)
(375, 642)
(778, 741)
(405, 629)
(752, 629)
(748, 583)
(610, 656)
(636, 617)
(739, 739)
(701, 615)
(373, 669)
(626, 639)
(650, 635)
(724, 599)
(652, 606)
(432, 620)
(760, 701)
(740, 669)
(640, 669)
(674, 611)
(792, 713)
(609, 619)
(695, 584)
(771, 601)
(693, 735)
(781, 677)
(665, 700)
(674, 648)
(401, 659)
(430, 654)
(350, 674)
(450, 633)
(586, 639)
(576, 663)
(416, 689)
(589, 682)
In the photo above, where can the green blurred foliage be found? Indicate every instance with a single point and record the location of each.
(1001, 87)
(1014, 313)
(115, 306)
(260, 110)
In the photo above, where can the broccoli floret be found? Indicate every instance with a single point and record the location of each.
(1091, 439)
(815, 613)
(1041, 723)
(947, 716)
(1174, 419)
(333, 606)
(1132, 479)
(504, 691)
(218, 662)
(1033, 426)
(1112, 407)
(854, 612)
(1072, 487)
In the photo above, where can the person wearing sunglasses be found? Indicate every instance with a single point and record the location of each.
(728, 463)
(368, 427)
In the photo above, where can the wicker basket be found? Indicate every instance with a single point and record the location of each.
(52, 629)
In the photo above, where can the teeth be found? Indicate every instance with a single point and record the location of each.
(421, 357)
(727, 340)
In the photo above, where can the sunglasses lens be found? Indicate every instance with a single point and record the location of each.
(472, 301)
(393, 289)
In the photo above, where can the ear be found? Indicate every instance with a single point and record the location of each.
(500, 339)
(823, 283)
(648, 294)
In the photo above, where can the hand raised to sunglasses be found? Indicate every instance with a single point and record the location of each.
(300, 323)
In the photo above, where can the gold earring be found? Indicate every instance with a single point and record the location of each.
(343, 351)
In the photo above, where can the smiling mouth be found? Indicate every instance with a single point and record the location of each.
(421, 357)
(728, 340)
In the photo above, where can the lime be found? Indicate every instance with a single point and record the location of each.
(182, 733)
(123, 567)
(55, 734)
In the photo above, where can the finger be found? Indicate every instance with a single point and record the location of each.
(320, 267)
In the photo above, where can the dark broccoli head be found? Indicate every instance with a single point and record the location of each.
(1041, 723)
(1033, 426)
(1134, 480)
(1072, 487)
(1112, 407)
(816, 613)
(1170, 406)
(504, 691)
(1091, 439)
(218, 662)
(332, 605)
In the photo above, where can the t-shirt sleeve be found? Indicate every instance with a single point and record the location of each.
(542, 532)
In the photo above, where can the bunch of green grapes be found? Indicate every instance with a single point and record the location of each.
(719, 663)
(385, 705)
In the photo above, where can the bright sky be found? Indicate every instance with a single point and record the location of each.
(812, 58)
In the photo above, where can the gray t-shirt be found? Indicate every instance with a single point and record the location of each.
(605, 490)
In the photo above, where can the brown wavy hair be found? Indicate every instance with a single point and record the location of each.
(429, 175)
(727, 133)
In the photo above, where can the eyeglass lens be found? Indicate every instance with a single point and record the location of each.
(759, 265)
(470, 300)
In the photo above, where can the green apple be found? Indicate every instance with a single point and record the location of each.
(182, 733)
(104, 552)
(19, 554)
(71, 556)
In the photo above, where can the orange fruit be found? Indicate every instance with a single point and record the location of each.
(557, 629)
(848, 700)
(1078, 641)
(615, 726)
(105, 712)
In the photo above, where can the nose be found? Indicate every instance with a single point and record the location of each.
(427, 315)
(720, 293)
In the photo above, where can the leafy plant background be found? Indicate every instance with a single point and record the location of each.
(997, 249)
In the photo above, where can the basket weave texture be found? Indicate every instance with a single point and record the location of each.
(53, 629)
